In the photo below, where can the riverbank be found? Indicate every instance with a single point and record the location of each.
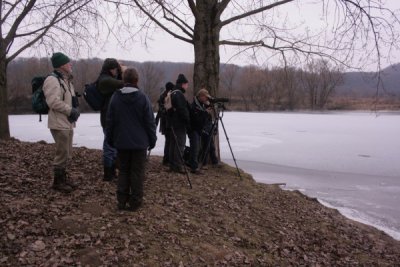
(221, 221)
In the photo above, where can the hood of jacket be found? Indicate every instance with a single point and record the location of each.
(129, 94)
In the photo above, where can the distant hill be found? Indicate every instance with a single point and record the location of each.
(364, 84)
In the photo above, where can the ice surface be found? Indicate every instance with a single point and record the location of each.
(348, 160)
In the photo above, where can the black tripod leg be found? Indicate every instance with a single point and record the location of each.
(210, 135)
(181, 157)
(233, 156)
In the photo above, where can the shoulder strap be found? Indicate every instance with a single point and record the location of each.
(61, 84)
(174, 91)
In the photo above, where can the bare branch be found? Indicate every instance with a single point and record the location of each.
(59, 16)
(161, 25)
(13, 6)
(253, 12)
(19, 19)
(181, 25)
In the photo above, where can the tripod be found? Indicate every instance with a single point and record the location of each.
(219, 113)
(181, 157)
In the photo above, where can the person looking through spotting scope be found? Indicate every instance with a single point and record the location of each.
(199, 119)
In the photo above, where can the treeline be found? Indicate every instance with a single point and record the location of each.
(249, 88)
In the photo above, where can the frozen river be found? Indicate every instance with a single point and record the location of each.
(348, 160)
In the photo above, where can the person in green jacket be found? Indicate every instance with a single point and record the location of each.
(110, 80)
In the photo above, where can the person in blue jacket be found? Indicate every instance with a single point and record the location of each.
(131, 129)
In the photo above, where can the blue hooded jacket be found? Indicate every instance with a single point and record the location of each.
(130, 120)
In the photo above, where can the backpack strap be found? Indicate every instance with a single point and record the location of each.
(172, 93)
(54, 74)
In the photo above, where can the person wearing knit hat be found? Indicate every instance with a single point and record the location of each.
(59, 59)
(162, 118)
(181, 79)
(169, 86)
(109, 81)
(62, 116)
(179, 122)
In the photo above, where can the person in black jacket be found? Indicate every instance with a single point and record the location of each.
(109, 81)
(131, 129)
(179, 122)
(162, 118)
(199, 116)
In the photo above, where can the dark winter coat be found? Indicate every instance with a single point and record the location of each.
(162, 113)
(179, 115)
(107, 85)
(130, 120)
(199, 117)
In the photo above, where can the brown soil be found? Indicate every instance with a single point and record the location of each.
(222, 221)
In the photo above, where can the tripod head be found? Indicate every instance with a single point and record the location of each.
(218, 104)
(218, 107)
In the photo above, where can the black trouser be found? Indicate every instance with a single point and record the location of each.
(205, 139)
(131, 176)
(167, 145)
(194, 138)
(176, 148)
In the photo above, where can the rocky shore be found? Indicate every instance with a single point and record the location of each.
(222, 221)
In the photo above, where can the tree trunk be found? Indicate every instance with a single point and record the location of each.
(4, 126)
(206, 48)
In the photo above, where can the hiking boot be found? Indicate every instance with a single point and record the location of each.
(165, 162)
(109, 174)
(134, 205)
(67, 181)
(217, 165)
(59, 181)
(196, 171)
(121, 206)
(177, 170)
(122, 199)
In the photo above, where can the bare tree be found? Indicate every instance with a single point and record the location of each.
(255, 88)
(262, 27)
(229, 80)
(319, 81)
(39, 23)
(150, 80)
(287, 88)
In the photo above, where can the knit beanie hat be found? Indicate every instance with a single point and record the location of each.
(169, 86)
(58, 59)
(181, 79)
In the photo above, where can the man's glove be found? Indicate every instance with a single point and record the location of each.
(74, 115)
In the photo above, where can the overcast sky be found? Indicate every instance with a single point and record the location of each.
(166, 48)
